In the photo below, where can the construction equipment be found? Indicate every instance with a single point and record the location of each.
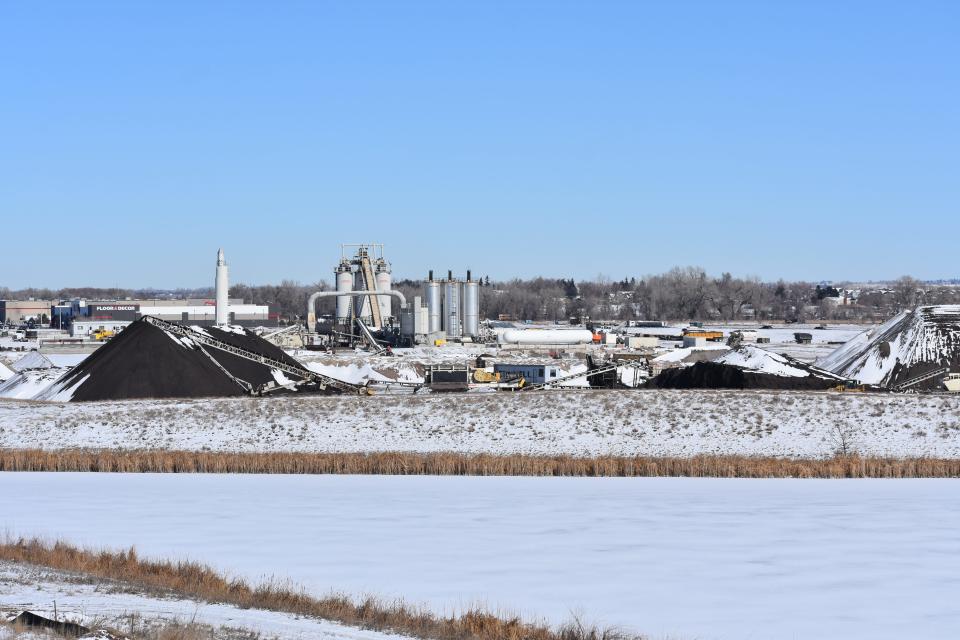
(848, 386)
(204, 340)
(369, 337)
(370, 282)
(923, 377)
(484, 376)
(952, 382)
(713, 336)
(102, 335)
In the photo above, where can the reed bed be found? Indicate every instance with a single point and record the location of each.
(198, 581)
(460, 464)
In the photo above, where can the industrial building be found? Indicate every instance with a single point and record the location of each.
(220, 310)
(365, 310)
(532, 373)
(18, 312)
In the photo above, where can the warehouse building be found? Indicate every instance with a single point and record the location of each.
(21, 311)
(195, 311)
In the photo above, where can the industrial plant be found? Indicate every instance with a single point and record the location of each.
(379, 337)
(448, 310)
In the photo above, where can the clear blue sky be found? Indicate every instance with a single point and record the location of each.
(814, 140)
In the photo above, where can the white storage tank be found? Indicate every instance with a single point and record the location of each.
(433, 296)
(546, 336)
(471, 307)
(344, 277)
(384, 282)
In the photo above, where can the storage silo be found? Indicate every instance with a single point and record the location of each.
(471, 307)
(344, 278)
(433, 294)
(451, 306)
(384, 282)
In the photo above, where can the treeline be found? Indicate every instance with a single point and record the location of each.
(682, 293)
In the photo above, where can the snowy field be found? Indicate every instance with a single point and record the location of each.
(677, 558)
(110, 604)
(669, 423)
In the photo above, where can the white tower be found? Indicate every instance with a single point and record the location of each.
(223, 289)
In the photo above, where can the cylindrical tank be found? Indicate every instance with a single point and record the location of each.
(451, 308)
(546, 336)
(344, 284)
(471, 307)
(384, 282)
(222, 290)
(432, 294)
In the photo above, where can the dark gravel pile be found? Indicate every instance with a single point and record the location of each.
(712, 375)
(144, 361)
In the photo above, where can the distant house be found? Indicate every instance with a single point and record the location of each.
(803, 338)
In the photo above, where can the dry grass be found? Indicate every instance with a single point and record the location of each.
(456, 464)
(198, 581)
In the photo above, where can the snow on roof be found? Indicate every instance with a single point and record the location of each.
(6, 372)
(33, 360)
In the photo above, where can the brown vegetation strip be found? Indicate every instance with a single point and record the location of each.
(201, 582)
(457, 464)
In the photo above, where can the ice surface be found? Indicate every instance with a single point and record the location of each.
(678, 558)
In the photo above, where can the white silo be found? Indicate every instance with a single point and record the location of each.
(471, 307)
(451, 306)
(384, 282)
(433, 296)
(222, 291)
(344, 277)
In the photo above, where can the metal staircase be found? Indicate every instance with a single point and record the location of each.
(319, 379)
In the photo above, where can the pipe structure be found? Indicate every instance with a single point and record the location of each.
(311, 302)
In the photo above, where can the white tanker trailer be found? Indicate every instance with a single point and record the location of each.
(546, 336)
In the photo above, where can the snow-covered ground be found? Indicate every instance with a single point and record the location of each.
(674, 423)
(677, 558)
(89, 601)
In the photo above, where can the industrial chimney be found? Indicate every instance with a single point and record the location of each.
(223, 290)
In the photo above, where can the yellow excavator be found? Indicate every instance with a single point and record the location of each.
(100, 335)
(482, 375)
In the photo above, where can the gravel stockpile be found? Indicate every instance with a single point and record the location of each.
(714, 375)
(145, 361)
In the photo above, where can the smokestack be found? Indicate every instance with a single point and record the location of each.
(450, 275)
(222, 290)
(431, 276)
(468, 276)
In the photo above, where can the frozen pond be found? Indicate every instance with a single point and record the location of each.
(688, 558)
